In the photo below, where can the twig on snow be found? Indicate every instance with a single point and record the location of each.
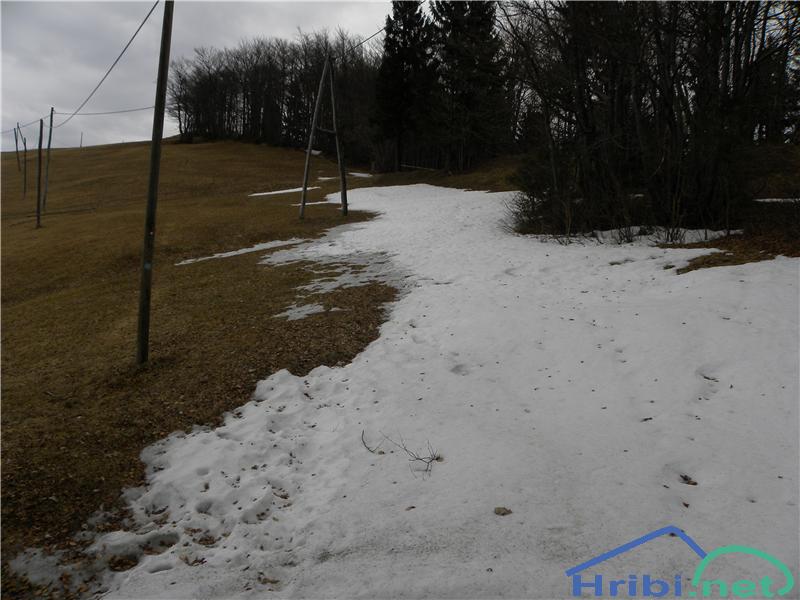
(374, 450)
(427, 460)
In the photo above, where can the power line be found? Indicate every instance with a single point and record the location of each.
(108, 112)
(111, 68)
(97, 87)
(364, 41)
(36, 120)
(85, 114)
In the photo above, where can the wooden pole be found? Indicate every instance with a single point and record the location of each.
(47, 168)
(24, 166)
(339, 156)
(16, 149)
(311, 139)
(39, 177)
(143, 336)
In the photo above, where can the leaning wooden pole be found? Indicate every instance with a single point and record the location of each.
(47, 164)
(339, 156)
(143, 335)
(39, 177)
(311, 139)
(24, 166)
(16, 149)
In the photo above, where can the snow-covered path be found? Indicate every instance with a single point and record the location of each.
(574, 385)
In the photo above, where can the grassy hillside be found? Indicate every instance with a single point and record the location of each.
(76, 410)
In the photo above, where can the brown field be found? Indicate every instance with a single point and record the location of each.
(76, 410)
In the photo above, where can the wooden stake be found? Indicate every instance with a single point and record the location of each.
(16, 149)
(47, 168)
(339, 156)
(39, 177)
(311, 138)
(143, 336)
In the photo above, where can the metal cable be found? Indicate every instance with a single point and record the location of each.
(111, 68)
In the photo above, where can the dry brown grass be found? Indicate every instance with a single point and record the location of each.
(76, 410)
(494, 175)
(741, 249)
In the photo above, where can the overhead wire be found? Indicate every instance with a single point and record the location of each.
(108, 112)
(111, 68)
(76, 112)
(365, 40)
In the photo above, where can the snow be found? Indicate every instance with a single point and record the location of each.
(777, 199)
(313, 203)
(300, 311)
(357, 174)
(680, 236)
(299, 189)
(256, 248)
(572, 384)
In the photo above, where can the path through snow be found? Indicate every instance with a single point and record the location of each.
(575, 385)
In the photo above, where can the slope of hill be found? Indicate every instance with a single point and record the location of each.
(76, 410)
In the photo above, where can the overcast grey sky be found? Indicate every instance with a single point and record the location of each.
(54, 53)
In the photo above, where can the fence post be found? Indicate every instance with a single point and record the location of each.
(339, 156)
(39, 177)
(311, 138)
(143, 335)
(47, 167)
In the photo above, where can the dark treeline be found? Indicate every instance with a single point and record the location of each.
(264, 91)
(650, 113)
(435, 94)
(628, 113)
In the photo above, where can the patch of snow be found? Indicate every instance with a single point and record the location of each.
(648, 238)
(777, 199)
(313, 203)
(326, 178)
(574, 387)
(40, 568)
(295, 312)
(299, 189)
(357, 174)
(256, 248)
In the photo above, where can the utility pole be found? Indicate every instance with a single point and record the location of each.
(327, 72)
(339, 156)
(81, 140)
(143, 336)
(39, 177)
(311, 138)
(47, 168)
(24, 166)
(16, 149)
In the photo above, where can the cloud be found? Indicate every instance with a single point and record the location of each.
(54, 53)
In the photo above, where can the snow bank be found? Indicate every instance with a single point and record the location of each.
(575, 385)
